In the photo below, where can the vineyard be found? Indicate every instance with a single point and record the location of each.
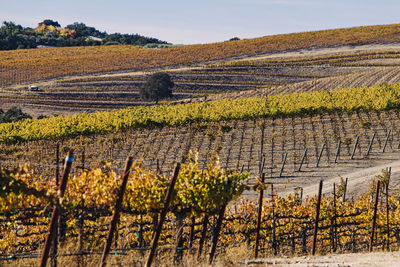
(232, 79)
(238, 143)
(31, 65)
(80, 79)
(281, 225)
(227, 169)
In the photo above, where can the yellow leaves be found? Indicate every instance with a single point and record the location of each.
(371, 98)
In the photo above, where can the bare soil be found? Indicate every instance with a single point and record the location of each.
(377, 259)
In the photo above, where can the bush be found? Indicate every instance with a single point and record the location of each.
(157, 86)
(13, 114)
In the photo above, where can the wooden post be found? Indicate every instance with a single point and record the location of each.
(301, 196)
(293, 239)
(178, 238)
(317, 218)
(262, 165)
(371, 244)
(345, 190)
(387, 212)
(140, 233)
(81, 219)
(320, 155)
(55, 239)
(370, 144)
(283, 165)
(259, 216)
(56, 209)
(274, 247)
(304, 240)
(164, 211)
(386, 141)
(334, 219)
(355, 147)
(203, 236)
(57, 164)
(117, 210)
(302, 159)
(191, 234)
(338, 150)
(217, 230)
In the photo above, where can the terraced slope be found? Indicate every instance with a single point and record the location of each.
(269, 75)
(30, 65)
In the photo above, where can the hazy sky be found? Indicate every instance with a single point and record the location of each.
(204, 21)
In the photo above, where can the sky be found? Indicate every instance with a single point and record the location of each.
(204, 21)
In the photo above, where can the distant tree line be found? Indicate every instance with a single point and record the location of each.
(50, 33)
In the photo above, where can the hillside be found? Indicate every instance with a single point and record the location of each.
(269, 74)
(32, 65)
(276, 115)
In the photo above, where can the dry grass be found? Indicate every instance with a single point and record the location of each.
(231, 256)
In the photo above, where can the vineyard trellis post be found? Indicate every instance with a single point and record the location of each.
(192, 233)
(178, 237)
(371, 244)
(387, 211)
(386, 141)
(261, 166)
(81, 218)
(56, 210)
(338, 150)
(274, 247)
(140, 232)
(370, 144)
(317, 218)
(163, 214)
(293, 239)
(334, 220)
(320, 155)
(242, 168)
(217, 230)
(283, 164)
(55, 239)
(259, 215)
(345, 190)
(203, 236)
(355, 147)
(117, 210)
(57, 163)
(301, 195)
(304, 240)
(303, 158)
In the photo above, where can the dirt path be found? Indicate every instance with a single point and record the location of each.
(380, 259)
(358, 181)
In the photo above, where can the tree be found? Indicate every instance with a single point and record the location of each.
(49, 22)
(157, 86)
(13, 114)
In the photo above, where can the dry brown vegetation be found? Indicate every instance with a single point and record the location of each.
(31, 65)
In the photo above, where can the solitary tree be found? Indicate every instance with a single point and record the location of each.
(157, 86)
